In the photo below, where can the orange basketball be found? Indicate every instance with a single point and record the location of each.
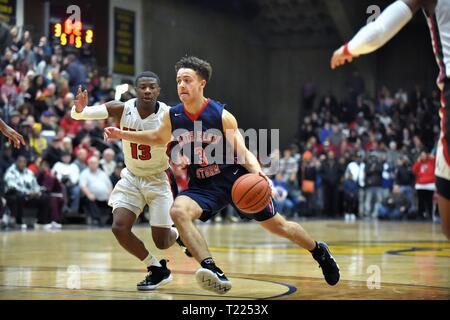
(251, 193)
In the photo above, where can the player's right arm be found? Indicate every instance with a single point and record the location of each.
(80, 110)
(160, 136)
(375, 34)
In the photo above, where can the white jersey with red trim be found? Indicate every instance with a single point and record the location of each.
(140, 159)
(439, 25)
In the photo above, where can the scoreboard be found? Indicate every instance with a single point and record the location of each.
(71, 33)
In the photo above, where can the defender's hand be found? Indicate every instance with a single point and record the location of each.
(340, 57)
(81, 100)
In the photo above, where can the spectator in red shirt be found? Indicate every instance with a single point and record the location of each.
(423, 169)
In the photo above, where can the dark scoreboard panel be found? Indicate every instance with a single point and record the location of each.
(8, 11)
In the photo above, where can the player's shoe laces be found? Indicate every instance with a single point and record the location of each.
(156, 277)
(330, 268)
(213, 280)
(185, 250)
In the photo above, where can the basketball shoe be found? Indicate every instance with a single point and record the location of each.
(156, 277)
(330, 268)
(213, 279)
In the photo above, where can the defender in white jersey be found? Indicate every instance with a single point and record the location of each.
(376, 34)
(146, 178)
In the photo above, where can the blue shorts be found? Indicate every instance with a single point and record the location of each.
(215, 194)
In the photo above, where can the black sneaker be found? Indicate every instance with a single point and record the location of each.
(185, 250)
(213, 280)
(156, 277)
(330, 268)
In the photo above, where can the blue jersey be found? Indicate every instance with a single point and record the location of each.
(203, 141)
(213, 168)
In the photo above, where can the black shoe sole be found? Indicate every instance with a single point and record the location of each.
(155, 286)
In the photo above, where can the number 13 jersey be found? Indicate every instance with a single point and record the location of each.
(140, 159)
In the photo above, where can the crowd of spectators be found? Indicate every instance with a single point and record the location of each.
(360, 156)
(51, 177)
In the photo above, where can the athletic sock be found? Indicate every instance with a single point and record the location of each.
(176, 231)
(208, 263)
(151, 261)
(316, 250)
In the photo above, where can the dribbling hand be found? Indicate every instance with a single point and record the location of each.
(273, 190)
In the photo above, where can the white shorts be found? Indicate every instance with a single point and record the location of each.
(133, 193)
(442, 169)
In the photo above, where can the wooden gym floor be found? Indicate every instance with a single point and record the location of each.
(410, 260)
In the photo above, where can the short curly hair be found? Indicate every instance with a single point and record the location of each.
(201, 67)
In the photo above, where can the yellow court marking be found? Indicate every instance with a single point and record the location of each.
(370, 248)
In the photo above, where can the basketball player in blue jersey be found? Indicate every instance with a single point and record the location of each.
(374, 35)
(210, 183)
(146, 180)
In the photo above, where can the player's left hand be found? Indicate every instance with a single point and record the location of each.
(340, 57)
(112, 134)
(273, 190)
(13, 136)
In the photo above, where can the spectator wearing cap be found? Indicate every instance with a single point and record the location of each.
(307, 180)
(67, 145)
(45, 120)
(14, 120)
(69, 175)
(37, 143)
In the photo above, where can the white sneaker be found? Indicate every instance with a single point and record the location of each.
(23, 226)
(56, 225)
(38, 226)
(218, 218)
(47, 226)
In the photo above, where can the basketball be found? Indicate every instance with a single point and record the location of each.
(251, 193)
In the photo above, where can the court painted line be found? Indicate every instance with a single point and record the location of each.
(291, 290)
